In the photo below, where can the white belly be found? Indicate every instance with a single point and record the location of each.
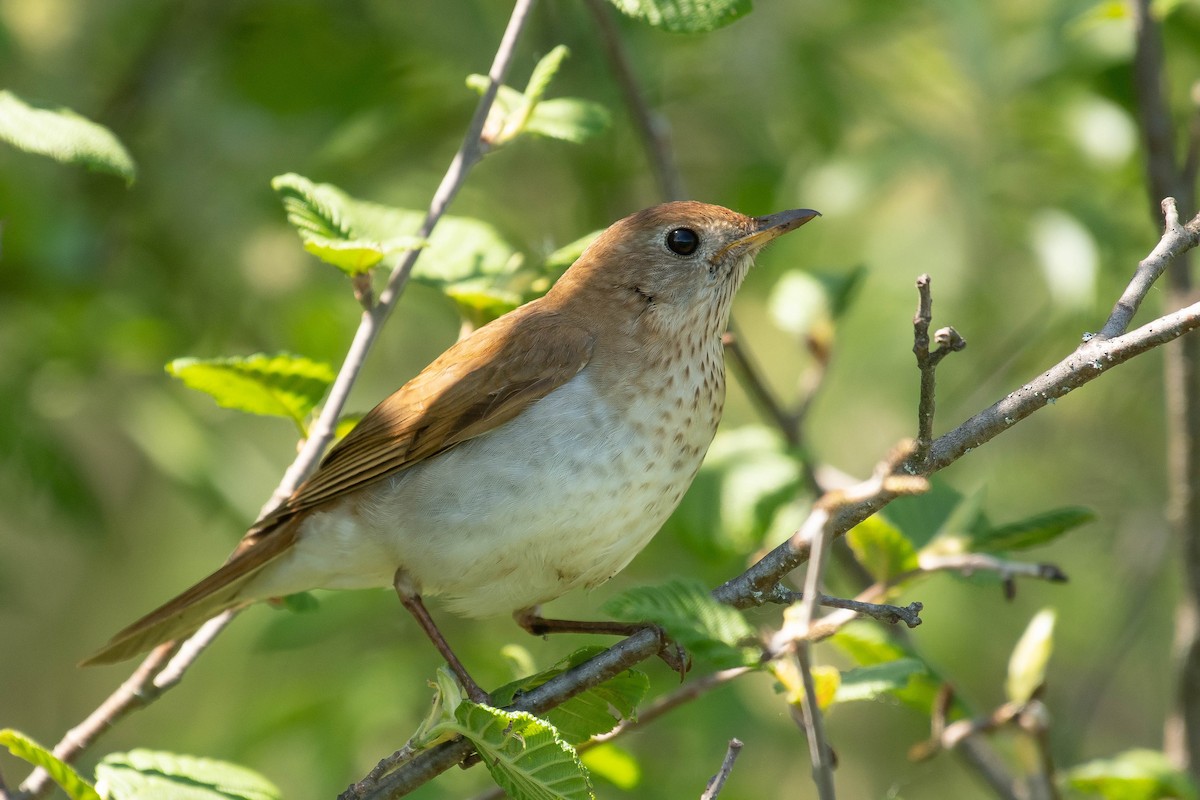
(565, 495)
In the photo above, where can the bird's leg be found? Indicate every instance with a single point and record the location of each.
(411, 600)
(671, 652)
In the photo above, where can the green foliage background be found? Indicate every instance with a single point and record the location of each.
(936, 136)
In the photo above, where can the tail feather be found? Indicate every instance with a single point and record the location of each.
(184, 614)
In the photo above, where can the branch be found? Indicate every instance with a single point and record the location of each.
(1154, 113)
(651, 127)
(717, 782)
(948, 341)
(143, 687)
(1177, 240)
(910, 615)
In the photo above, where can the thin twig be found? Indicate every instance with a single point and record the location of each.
(717, 782)
(910, 615)
(818, 749)
(142, 688)
(1034, 720)
(1148, 271)
(669, 702)
(652, 128)
(948, 341)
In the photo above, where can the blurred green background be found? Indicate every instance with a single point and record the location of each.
(991, 145)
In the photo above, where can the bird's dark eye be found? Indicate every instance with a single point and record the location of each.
(683, 241)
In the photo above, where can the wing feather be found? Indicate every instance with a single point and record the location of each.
(474, 387)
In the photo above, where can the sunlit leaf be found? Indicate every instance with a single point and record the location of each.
(882, 549)
(1132, 775)
(64, 136)
(685, 16)
(326, 219)
(710, 631)
(1027, 665)
(1031, 532)
(141, 774)
(544, 72)
(479, 303)
(592, 712)
(279, 385)
(60, 772)
(868, 683)
(569, 119)
(525, 755)
(613, 764)
(746, 491)
(826, 680)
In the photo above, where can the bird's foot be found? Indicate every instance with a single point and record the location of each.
(671, 652)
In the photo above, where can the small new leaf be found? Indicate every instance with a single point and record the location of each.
(684, 16)
(1027, 665)
(280, 385)
(64, 136)
(569, 119)
(147, 773)
(543, 73)
(1132, 775)
(60, 772)
(710, 631)
(882, 549)
(525, 755)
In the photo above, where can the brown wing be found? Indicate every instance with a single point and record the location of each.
(475, 386)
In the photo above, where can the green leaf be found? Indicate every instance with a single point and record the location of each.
(746, 491)
(144, 774)
(868, 683)
(544, 72)
(869, 645)
(301, 602)
(568, 254)
(593, 712)
(525, 755)
(925, 516)
(60, 772)
(1031, 532)
(615, 765)
(479, 303)
(684, 16)
(64, 136)
(569, 119)
(281, 385)
(1132, 775)
(466, 259)
(1027, 665)
(710, 631)
(324, 216)
(882, 549)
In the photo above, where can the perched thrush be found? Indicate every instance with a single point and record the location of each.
(538, 454)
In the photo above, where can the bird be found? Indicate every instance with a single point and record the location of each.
(539, 454)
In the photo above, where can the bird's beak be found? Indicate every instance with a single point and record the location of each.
(770, 227)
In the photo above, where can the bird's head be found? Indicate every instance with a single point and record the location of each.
(675, 265)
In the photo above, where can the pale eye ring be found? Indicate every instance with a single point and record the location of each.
(683, 241)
